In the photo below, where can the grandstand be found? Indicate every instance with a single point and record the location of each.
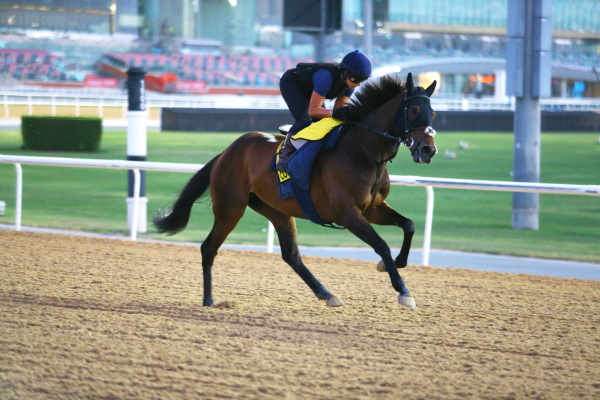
(82, 43)
(240, 70)
(37, 65)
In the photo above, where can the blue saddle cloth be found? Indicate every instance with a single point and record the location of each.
(299, 168)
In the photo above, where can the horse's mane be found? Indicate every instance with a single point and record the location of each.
(373, 95)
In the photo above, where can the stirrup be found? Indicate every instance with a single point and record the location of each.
(281, 165)
(281, 168)
(284, 154)
(283, 129)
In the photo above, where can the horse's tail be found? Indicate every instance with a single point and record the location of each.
(174, 220)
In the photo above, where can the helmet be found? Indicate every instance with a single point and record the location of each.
(357, 64)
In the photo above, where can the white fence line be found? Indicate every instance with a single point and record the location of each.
(118, 98)
(499, 186)
(428, 183)
(135, 166)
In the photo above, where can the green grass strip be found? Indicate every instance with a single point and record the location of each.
(469, 220)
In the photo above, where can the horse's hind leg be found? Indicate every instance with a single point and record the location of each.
(285, 227)
(227, 215)
(386, 215)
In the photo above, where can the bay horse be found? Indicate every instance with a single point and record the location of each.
(349, 183)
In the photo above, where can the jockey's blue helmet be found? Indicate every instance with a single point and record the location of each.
(357, 64)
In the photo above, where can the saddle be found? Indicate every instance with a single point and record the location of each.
(320, 136)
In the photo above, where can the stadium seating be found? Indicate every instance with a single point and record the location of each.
(239, 70)
(37, 65)
(28, 64)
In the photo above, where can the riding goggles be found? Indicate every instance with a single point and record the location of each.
(357, 79)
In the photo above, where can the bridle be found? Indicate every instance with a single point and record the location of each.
(406, 139)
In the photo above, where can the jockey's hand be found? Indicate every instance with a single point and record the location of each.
(341, 113)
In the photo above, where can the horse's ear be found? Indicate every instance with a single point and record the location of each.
(431, 89)
(410, 85)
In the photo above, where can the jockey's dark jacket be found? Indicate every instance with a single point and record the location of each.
(304, 72)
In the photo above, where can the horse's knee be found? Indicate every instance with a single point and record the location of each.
(408, 226)
(383, 250)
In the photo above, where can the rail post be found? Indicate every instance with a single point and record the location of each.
(428, 225)
(136, 147)
(270, 237)
(19, 196)
(136, 204)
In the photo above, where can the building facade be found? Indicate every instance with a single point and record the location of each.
(402, 31)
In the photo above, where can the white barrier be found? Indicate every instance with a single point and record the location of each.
(428, 183)
(118, 98)
(135, 166)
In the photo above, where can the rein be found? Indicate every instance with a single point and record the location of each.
(377, 131)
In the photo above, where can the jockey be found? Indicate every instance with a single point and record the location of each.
(306, 87)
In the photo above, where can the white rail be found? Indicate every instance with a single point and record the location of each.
(428, 183)
(118, 98)
(135, 166)
(499, 186)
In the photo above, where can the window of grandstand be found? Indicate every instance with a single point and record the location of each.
(198, 46)
(91, 16)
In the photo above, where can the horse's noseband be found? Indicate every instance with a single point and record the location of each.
(410, 142)
(429, 131)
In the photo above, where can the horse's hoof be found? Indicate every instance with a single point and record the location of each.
(381, 266)
(335, 302)
(407, 301)
(208, 303)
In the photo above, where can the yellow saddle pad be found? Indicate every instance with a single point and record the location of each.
(318, 130)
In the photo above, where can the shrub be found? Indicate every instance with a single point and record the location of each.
(61, 133)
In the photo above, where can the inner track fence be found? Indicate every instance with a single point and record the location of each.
(426, 182)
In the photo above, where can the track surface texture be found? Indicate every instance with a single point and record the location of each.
(84, 318)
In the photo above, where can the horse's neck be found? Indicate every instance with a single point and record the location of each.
(382, 118)
(369, 145)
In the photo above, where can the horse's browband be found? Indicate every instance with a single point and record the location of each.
(417, 95)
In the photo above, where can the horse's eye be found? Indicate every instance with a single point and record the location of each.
(413, 112)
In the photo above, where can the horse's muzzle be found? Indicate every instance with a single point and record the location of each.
(424, 153)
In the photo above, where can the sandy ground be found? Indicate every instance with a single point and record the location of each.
(107, 319)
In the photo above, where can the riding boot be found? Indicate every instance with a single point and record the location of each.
(284, 154)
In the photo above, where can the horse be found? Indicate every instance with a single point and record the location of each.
(349, 183)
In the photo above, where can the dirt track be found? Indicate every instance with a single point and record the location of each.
(99, 318)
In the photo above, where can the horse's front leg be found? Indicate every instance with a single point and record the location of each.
(356, 223)
(386, 215)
